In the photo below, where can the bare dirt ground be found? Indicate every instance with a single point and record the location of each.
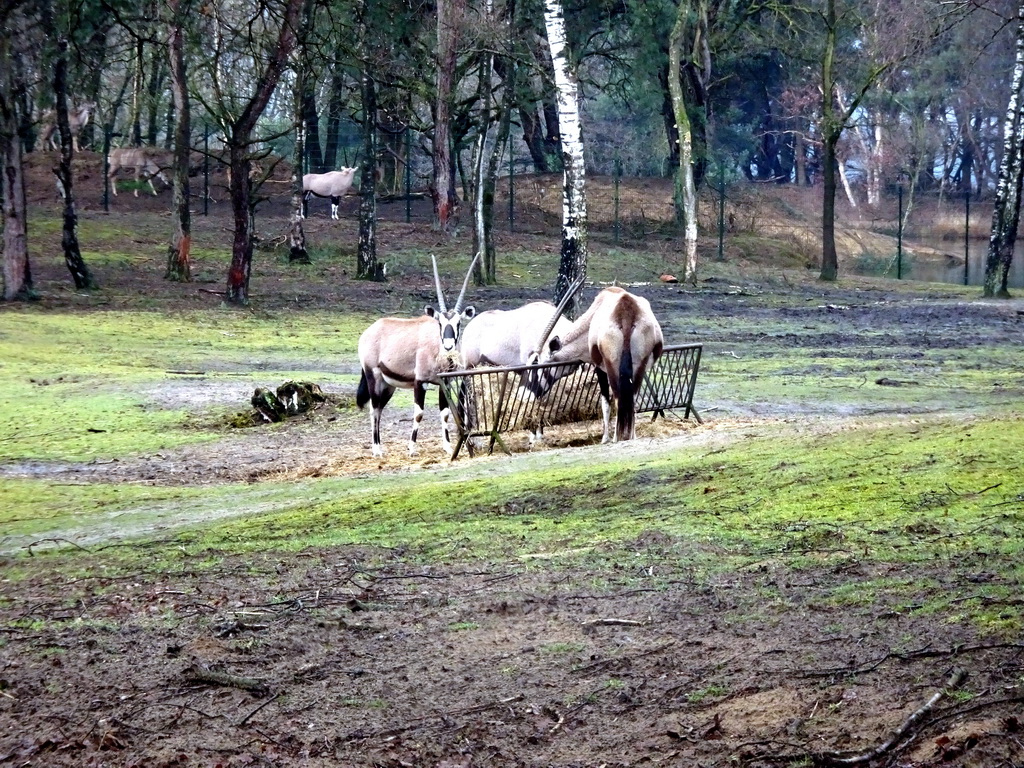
(364, 657)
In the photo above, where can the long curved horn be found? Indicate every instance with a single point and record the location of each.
(437, 283)
(566, 297)
(462, 294)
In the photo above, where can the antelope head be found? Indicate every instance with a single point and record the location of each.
(450, 321)
(535, 357)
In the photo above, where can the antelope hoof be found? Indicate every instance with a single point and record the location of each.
(378, 452)
(413, 450)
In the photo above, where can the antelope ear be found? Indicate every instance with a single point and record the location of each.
(469, 312)
(430, 311)
(555, 344)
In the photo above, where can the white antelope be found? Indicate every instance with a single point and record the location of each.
(507, 338)
(333, 184)
(408, 354)
(78, 118)
(147, 162)
(620, 335)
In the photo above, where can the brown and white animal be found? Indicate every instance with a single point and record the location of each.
(332, 184)
(620, 335)
(408, 354)
(147, 162)
(78, 118)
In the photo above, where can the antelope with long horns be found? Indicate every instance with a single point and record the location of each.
(333, 184)
(408, 354)
(507, 338)
(620, 335)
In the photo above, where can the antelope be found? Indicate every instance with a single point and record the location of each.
(620, 335)
(507, 338)
(408, 354)
(146, 161)
(332, 184)
(78, 118)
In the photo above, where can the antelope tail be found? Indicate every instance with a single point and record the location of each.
(626, 417)
(363, 392)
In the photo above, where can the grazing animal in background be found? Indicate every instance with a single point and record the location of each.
(408, 354)
(333, 184)
(507, 338)
(78, 118)
(147, 162)
(620, 335)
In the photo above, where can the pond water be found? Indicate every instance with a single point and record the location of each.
(952, 270)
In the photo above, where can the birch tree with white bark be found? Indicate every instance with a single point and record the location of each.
(1006, 210)
(685, 187)
(573, 261)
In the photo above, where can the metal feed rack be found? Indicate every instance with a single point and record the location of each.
(487, 402)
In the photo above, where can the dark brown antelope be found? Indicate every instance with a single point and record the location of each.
(78, 118)
(408, 354)
(147, 162)
(620, 335)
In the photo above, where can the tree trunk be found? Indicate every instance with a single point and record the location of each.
(97, 51)
(800, 159)
(1006, 209)
(844, 179)
(367, 266)
(685, 189)
(335, 105)
(829, 258)
(179, 253)
(65, 174)
(442, 190)
(137, 88)
(241, 209)
(17, 271)
(830, 131)
(483, 208)
(154, 90)
(533, 136)
(312, 122)
(489, 274)
(573, 259)
(239, 139)
(303, 112)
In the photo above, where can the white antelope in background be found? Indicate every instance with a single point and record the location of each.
(147, 162)
(333, 184)
(78, 118)
(408, 354)
(507, 338)
(620, 335)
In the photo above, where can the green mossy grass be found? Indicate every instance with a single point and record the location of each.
(919, 501)
(65, 377)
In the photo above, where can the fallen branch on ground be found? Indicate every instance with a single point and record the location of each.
(834, 758)
(199, 674)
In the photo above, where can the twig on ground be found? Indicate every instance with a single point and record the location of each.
(833, 758)
(612, 623)
(200, 674)
(55, 539)
(921, 653)
(622, 659)
(248, 717)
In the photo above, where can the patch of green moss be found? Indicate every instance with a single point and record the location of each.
(78, 387)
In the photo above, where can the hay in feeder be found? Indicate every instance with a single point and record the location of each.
(498, 400)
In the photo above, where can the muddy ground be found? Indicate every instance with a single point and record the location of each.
(365, 657)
